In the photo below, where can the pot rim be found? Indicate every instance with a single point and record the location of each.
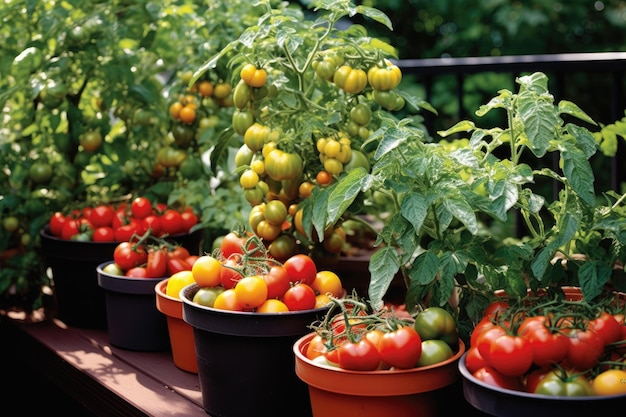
(469, 378)
(128, 285)
(379, 382)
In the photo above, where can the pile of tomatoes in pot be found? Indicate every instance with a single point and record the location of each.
(118, 223)
(554, 347)
(353, 337)
(148, 256)
(241, 276)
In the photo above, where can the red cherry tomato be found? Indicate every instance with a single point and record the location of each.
(141, 207)
(301, 268)
(299, 297)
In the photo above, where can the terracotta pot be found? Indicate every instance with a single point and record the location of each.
(180, 332)
(414, 392)
(80, 300)
(504, 402)
(133, 321)
(245, 360)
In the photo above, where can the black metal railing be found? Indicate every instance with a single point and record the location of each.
(557, 66)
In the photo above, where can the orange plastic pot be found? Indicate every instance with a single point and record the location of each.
(181, 333)
(417, 392)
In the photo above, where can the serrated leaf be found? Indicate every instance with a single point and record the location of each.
(392, 138)
(540, 122)
(345, 191)
(592, 278)
(383, 267)
(460, 209)
(415, 209)
(579, 173)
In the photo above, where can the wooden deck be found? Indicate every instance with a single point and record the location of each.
(105, 380)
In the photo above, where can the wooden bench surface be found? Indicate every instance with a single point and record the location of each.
(109, 381)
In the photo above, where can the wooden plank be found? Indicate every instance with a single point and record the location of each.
(107, 381)
(159, 365)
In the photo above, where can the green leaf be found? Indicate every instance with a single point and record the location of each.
(375, 15)
(567, 107)
(540, 122)
(346, 191)
(579, 173)
(383, 267)
(460, 209)
(392, 139)
(415, 208)
(592, 277)
(462, 126)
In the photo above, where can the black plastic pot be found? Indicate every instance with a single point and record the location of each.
(504, 402)
(79, 299)
(246, 365)
(133, 320)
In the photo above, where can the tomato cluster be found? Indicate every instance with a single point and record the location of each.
(118, 223)
(355, 338)
(243, 277)
(553, 347)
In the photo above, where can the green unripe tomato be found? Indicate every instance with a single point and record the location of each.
(434, 351)
(437, 323)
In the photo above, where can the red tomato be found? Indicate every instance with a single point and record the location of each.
(473, 360)
(179, 252)
(141, 207)
(495, 308)
(299, 297)
(232, 244)
(152, 222)
(101, 215)
(172, 222)
(511, 355)
(490, 376)
(120, 217)
(549, 346)
(607, 327)
(126, 231)
(156, 265)
(585, 349)
(484, 324)
(127, 256)
(301, 268)
(358, 356)
(56, 223)
(70, 228)
(534, 377)
(401, 348)
(189, 219)
(104, 234)
(277, 281)
(175, 265)
(229, 274)
(137, 272)
(487, 338)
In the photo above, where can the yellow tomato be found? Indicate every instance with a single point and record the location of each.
(177, 282)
